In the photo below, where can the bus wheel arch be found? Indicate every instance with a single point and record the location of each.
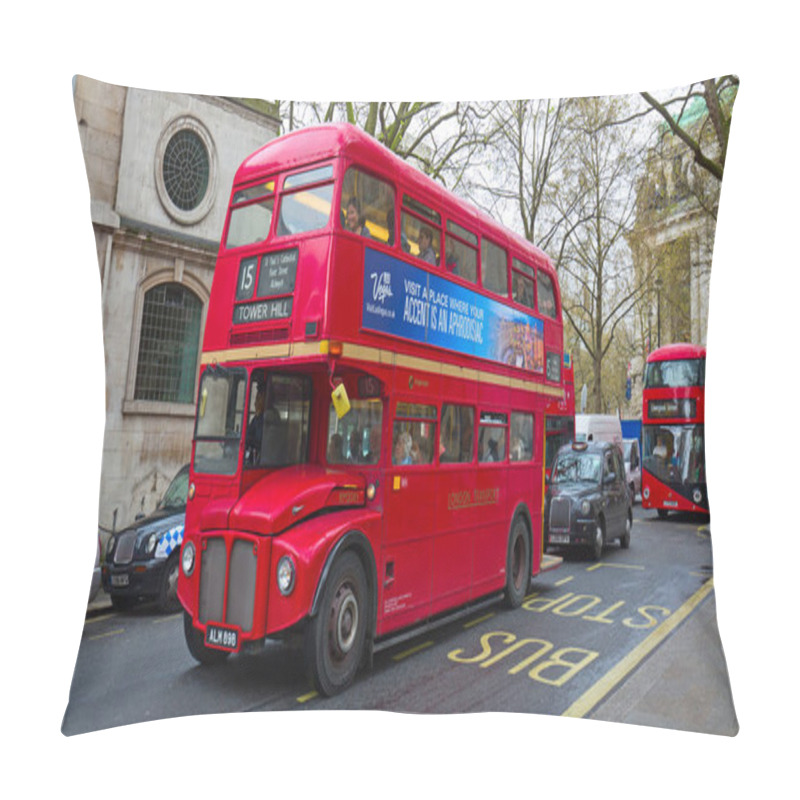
(519, 558)
(341, 624)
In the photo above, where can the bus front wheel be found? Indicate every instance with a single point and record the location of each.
(335, 636)
(518, 564)
(196, 645)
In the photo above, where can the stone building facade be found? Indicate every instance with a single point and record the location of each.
(160, 168)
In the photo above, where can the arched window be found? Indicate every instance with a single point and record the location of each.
(169, 344)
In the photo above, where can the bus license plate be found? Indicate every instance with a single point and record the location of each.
(224, 638)
(559, 538)
(119, 580)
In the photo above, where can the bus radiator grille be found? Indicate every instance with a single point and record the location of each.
(237, 578)
(559, 513)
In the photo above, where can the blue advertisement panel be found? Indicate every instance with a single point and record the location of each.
(409, 302)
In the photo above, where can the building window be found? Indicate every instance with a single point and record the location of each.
(186, 170)
(168, 345)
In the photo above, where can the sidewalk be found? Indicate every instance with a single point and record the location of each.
(682, 685)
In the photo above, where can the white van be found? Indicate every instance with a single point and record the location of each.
(598, 428)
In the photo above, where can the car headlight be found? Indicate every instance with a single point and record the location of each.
(285, 575)
(187, 559)
(150, 544)
(586, 507)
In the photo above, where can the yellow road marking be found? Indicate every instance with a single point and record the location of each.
(108, 633)
(600, 564)
(98, 619)
(589, 699)
(472, 623)
(412, 651)
(304, 698)
(167, 619)
(565, 580)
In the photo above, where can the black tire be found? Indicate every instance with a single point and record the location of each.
(599, 540)
(335, 637)
(197, 647)
(168, 591)
(122, 603)
(625, 539)
(518, 564)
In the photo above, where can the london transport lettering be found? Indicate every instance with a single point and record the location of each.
(411, 303)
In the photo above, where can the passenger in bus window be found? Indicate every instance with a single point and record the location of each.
(263, 412)
(336, 449)
(402, 449)
(450, 257)
(354, 221)
(355, 446)
(426, 251)
(374, 445)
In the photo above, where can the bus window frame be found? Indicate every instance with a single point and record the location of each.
(520, 267)
(492, 425)
(398, 416)
(252, 201)
(341, 198)
(283, 193)
(492, 243)
(425, 216)
(464, 242)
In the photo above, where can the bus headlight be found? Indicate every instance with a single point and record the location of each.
(286, 575)
(697, 495)
(646, 493)
(187, 559)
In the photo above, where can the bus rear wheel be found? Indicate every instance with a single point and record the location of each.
(336, 635)
(518, 564)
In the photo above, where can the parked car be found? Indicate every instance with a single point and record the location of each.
(142, 561)
(95, 587)
(633, 466)
(587, 503)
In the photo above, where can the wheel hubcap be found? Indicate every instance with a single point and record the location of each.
(344, 620)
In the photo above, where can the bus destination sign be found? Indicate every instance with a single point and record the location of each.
(262, 311)
(276, 276)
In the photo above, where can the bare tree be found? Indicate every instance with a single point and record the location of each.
(516, 170)
(709, 142)
(438, 138)
(598, 202)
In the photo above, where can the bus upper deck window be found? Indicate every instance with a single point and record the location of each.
(305, 206)
(251, 214)
(367, 206)
(494, 268)
(547, 297)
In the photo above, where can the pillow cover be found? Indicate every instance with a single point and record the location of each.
(624, 630)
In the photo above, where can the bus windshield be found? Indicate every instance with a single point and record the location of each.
(672, 374)
(219, 421)
(675, 453)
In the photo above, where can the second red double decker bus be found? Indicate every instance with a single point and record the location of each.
(673, 431)
(378, 361)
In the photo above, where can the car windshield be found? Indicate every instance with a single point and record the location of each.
(572, 467)
(175, 496)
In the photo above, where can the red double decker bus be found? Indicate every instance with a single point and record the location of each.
(369, 442)
(673, 413)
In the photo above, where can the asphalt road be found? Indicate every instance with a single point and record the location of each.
(581, 633)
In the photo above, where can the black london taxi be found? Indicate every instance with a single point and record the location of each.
(588, 502)
(142, 561)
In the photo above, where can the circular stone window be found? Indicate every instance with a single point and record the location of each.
(186, 170)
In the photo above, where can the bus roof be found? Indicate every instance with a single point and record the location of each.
(676, 352)
(316, 143)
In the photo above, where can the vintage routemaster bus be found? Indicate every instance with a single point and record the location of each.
(673, 414)
(368, 451)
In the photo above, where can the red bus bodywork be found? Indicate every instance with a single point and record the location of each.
(429, 536)
(673, 415)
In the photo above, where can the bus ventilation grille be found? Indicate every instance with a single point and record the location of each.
(257, 337)
(234, 577)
